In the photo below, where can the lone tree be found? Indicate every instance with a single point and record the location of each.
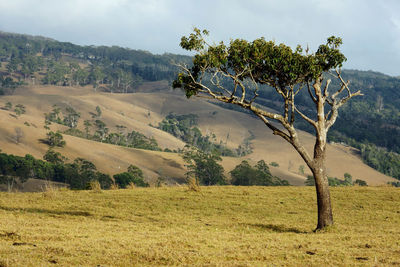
(233, 74)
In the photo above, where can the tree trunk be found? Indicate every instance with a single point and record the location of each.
(325, 217)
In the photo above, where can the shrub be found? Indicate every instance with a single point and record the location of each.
(274, 164)
(125, 178)
(244, 174)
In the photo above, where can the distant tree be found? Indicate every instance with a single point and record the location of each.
(96, 76)
(102, 130)
(203, 166)
(72, 117)
(54, 157)
(98, 111)
(135, 171)
(360, 182)
(87, 125)
(348, 179)
(55, 139)
(19, 134)
(133, 175)
(274, 164)
(301, 169)
(234, 73)
(19, 109)
(8, 106)
(245, 174)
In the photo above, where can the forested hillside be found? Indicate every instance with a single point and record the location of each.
(370, 123)
(28, 59)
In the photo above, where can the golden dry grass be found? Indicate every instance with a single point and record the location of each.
(220, 226)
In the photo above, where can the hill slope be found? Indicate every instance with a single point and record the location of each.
(136, 111)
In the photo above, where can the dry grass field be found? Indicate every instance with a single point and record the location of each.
(218, 226)
(137, 111)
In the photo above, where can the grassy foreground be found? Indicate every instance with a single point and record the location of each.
(219, 226)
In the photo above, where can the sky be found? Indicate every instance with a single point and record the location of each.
(370, 29)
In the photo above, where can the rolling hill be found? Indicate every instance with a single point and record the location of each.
(140, 112)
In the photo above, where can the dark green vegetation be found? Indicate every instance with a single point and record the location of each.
(333, 181)
(372, 120)
(184, 128)
(77, 174)
(245, 174)
(203, 166)
(134, 176)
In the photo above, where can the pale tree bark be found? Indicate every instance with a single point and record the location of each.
(244, 95)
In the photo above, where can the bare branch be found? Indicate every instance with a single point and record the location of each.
(310, 93)
(326, 93)
(306, 118)
(275, 130)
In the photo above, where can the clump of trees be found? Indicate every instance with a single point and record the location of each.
(245, 174)
(55, 139)
(77, 174)
(133, 176)
(185, 128)
(203, 167)
(205, 170)
(333, 181)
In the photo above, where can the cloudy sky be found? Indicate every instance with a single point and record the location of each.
(370, 28)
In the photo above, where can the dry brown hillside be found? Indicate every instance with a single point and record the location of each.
(137, 111)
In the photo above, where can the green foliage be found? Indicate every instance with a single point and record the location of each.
(71, 118)
(55, 139)
(126, 178)
(263, 61)
(245, 174)
(81, 172)
(54, 157)
(133, 175)
(19, 109)
(203, 166)
(333, 181)
(274, 164)
(395, 184)
(8, 106)
(381, 160)
(8, 85)
(360, 182)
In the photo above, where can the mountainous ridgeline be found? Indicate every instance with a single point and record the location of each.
(39, 72)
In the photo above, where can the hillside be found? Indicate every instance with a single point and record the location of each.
(218, 226)
(137, 111)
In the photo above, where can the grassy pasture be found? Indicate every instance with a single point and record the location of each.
(218, 226)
